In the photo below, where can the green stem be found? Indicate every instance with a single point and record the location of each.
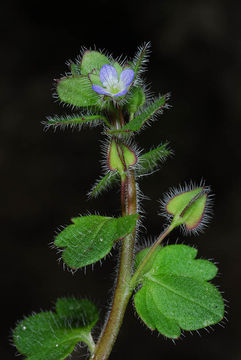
(123, 290)
(136, 276)
(90, 342)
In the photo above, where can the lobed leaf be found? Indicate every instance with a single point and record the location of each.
(175, 293)
(77, 91)
(137, 122)
(154, 318)
(90, 238)
(54, 335)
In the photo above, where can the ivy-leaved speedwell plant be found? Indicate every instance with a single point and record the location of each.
(170, 286)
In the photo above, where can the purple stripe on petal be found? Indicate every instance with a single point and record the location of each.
(100, 90)
(121, 93)
(127, 76)
(107, 74)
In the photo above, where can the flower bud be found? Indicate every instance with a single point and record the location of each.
(120, 157)
(188, 207)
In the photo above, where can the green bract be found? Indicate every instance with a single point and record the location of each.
(140, 59)
(91, 238)
(110, 178)
(151, 160)
(175, 292)
(136, 100)
(147, 114)
(53, 336)
(75, 120)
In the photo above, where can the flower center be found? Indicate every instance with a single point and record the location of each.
(113, 86)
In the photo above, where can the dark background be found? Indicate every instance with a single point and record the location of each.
(196, 54)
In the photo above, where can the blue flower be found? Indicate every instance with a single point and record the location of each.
(112, 85)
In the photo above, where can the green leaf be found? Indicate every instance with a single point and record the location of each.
(75, 70)
(154, 318)
(149, 161)
(175, 292)
(135, 125)
(54, 335)
(90, 238)
(77, 310)
(118, 68)
(92, 60)
(105, 182)
(95, 79)
(136, 100)
(75, 120)
(141, 58)
(77, 91)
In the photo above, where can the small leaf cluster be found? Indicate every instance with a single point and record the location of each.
(122, 118)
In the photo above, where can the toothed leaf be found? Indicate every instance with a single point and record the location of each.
(77, 91)
(92, 60)
(90, 238)
(136, 100)
(54, 335)
(140, 120)
(175, 293)
(150, 160)
(107, 180)
(74, 120)
(78, 310)
(152, 317)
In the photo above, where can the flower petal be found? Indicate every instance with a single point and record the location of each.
(121, 93)
(127, 76)
(108, 74)
(100, 90)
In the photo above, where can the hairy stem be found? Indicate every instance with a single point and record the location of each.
(123, 195)
(136, 276)
(123, 290)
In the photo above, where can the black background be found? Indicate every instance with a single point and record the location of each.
(196, 55)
